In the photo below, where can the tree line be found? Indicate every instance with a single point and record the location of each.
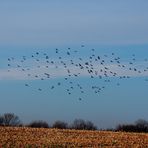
(10, 119)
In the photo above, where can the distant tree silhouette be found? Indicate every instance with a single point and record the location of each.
(90, 126)
(10, 119)
(80, 124)
(38, 124)
(142, 125)
(126, 128)
(1, 120)
(139, 126)
(60, 125)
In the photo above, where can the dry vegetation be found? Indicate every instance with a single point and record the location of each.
(40, 137)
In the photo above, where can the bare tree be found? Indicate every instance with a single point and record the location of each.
(10, 119)
(142, 125)
(80, 124)
(90, 126)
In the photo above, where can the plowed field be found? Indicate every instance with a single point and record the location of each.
(55, 138)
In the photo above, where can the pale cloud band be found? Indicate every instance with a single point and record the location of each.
(59, 72)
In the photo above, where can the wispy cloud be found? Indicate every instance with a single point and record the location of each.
(56, 71)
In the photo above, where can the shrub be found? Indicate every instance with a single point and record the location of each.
(38, 124)
(1, 120)
(139, 126)
(60, 125)
(126, 128)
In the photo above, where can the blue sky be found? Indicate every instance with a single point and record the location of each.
(62, 22)
(108, 26)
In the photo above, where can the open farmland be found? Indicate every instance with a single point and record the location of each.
(40, 137)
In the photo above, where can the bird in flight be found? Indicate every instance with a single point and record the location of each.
(72, 66)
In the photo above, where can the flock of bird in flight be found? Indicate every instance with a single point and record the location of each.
(71, 66)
